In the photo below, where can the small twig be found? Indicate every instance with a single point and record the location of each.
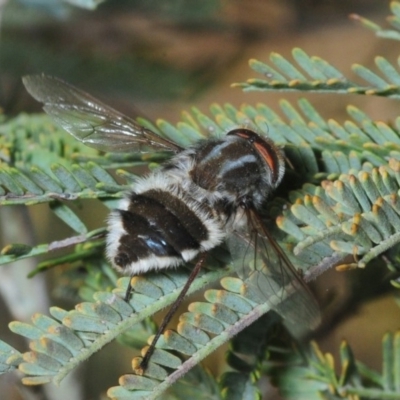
(74, 240)
(327, 263)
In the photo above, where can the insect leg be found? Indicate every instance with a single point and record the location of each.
(129, 289)
(145, 361)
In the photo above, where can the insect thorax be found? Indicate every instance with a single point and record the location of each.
(233, 169)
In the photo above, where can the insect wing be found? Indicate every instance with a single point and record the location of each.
(270, 277)
(90, 121)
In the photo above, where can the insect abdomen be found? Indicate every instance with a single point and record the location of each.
(158, 227)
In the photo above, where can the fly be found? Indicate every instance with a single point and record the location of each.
(209, 193)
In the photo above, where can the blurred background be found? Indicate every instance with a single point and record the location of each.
(155, 58)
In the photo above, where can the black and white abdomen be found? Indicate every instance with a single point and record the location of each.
(193, 202)
(160, 225)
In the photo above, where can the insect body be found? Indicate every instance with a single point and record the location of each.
(193, 202)
(209, 192)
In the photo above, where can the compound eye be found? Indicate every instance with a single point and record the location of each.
(244, 133)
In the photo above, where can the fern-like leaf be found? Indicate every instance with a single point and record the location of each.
(355, 215)
(393, 19)
(70, 337)
(313, 375)
(10, 358)
(201, 330)
(314, 74)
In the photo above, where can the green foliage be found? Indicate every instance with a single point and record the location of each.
(9, 358)
(93, 324)
(322, 77)
(310, 374)
(345, 203)
(355, 214)
(89, 4)
(60, 8)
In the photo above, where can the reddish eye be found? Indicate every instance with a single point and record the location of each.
(267, 151)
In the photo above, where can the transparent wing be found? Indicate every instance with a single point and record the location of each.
(90, 121)
(270, 277)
